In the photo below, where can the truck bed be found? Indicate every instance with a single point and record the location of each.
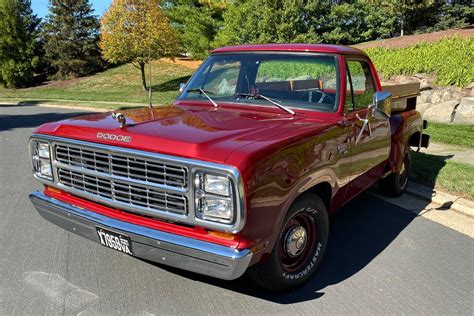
(403, 96)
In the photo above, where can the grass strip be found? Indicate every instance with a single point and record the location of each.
(453, 134)
(441, 173)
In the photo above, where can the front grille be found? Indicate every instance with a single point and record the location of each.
(120, 191)
(123, 179)
(135, 168)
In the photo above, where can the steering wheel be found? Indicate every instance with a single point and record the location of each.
(308, 96)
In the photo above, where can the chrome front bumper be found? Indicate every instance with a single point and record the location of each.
(158, 246)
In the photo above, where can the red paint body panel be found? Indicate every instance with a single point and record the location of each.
(302, 48)
(279, 156)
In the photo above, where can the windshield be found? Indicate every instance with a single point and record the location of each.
(305, 81)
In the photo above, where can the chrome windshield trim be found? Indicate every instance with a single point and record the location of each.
(192, 165)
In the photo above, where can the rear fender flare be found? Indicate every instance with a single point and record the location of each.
(402, 127)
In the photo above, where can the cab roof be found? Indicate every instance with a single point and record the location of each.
(311, 48)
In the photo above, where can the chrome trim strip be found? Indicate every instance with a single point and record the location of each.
(154, 245)
(192, 165)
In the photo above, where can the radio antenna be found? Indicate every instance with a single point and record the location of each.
(150, 104)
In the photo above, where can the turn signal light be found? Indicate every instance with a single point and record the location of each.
(53, 189)
(224, 235)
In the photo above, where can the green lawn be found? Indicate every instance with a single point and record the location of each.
(453, 134)
(118, 84)
(449, 176)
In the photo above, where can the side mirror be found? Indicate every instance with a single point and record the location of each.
(381, 104)
(181, 87)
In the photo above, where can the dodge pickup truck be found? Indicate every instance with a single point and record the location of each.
(242, 172)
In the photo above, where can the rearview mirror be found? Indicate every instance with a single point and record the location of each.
(181, 87)
(381, 104)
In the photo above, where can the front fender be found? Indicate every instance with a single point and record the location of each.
(275, 178)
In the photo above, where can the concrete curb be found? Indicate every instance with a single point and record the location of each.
(440, 207)
(71, 107)
(51, 105)
(81, 108)
(452, 202)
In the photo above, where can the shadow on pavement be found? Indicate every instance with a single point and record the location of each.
(8, 122)
(358, 235)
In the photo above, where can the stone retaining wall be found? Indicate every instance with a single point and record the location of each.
(441, 104)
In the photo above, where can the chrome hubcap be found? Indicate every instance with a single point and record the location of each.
(295, 241)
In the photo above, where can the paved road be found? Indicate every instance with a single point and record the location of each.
(381, 259)
(455, 153)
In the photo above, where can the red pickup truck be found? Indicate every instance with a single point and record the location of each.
(242, 172)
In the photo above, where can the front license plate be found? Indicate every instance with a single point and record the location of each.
(114, 240)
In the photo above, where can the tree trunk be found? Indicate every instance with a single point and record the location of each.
(142, 71)
(402, 22)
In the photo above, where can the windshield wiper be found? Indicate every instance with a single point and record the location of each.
(201, 91)
(272, 101)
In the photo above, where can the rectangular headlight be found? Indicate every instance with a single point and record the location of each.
(216, 209)
(216, 184)
(41, 160)
(214, 197)
(43, 150)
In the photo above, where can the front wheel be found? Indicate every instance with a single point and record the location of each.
(396, 183)
(299, 248)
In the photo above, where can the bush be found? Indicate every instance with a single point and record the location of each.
(450, 60)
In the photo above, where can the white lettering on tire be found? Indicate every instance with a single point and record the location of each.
(307, 269)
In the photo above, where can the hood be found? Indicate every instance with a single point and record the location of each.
(198, 132)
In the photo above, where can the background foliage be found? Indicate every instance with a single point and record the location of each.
(19, 46)
(70, 35)
(65, 45)
(451, 60)
(136, 32)
(336, 22)
(196, 23)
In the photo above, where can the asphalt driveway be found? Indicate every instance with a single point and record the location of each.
(380, 259)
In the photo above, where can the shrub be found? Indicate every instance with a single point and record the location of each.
(449, 59)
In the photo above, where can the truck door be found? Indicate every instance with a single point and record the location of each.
(370, 143)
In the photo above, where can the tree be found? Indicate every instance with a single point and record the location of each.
(240, 24)
(357, 22)
(70, 35)
(403, 9)
(442, 16)
(18, 42)
(137, 31)
(197, 23)
(268, 21)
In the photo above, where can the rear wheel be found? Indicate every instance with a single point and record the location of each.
(396, 183)
(299, 248)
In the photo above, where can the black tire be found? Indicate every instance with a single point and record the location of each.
(396, 183)
(285, 268)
